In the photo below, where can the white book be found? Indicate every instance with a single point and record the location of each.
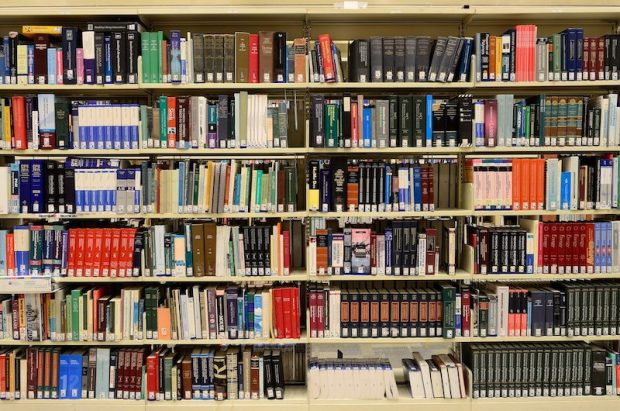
(436, 380)
(196, 313)
(612, 119)
(425, 371)
(202, 122)
(502, 307)
(413, 374)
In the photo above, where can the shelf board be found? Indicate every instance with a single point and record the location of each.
(390, 150)
(84, 216)
(545, 149)
(460, 275)
(295, 276)
(440, 340)
(390, 86)
(546, 84)
(75, 405)
(542, 277)
(138, 343)
(79, 88)
(509, 213)
(589, 402)
(391, 214)
(223, 86)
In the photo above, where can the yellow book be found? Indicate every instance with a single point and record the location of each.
(498, 59)
(22, 64)
(209, 186)
(30, 31)
(6, 124)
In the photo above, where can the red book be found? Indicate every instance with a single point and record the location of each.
(553, 248)
(568, 244)
(278, 310)
(71, 269)
(512, 304)
(41, 43)
(583, 248)
(585, 72)
(320, 314)
(546, 259)
(424, 185)
(490, 122)
(286, 240)
(59, 66)
(127, 247)
(3, 374)
(106, 252)
(431, 250)
(89, 255)
(31, 357)
(373, 253)
(431, 189)
(561, 247)
(574, 238)
(253, 64)
(10, 254)
(325, 44)
(296, 313)
(355, 133)
(519, 53)
(122, 255)
(80, 251)
(120, 373)
(172, 122)
(152, 376)
(287, 311)
(18, 107)
(600, 58)
(137, 366)
(97, 253)
(115, 252)
(97, 294)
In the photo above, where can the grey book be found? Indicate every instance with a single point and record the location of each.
(438, 52)
(410, 51)
(447, 58)
(376, 59)
(199, 58)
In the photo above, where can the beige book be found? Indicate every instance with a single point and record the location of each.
(242, 57)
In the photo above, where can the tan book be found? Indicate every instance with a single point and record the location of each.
(210, 246)
(265, 56)
(242, 57)
(300, 52)
(198, 249)
(210, 172)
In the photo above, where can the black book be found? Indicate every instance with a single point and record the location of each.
(359, 61)
(376, 59)
(455, 60)
(198, 41)
(133, 52)
(419, 121)
(222, 120)
(448, 57)
(317, 134)
(218, 58)
(70, 42)
(229, 58)
(278, 374)
(51, 191)
(484, 56)
(325, 181)
(99, 57)
(399, 59)
(119, 57)
(339, 188)
(388, 59)
(69, 189)
(451, 124)
(465, 113)
(209, 57)
(62, 108)
(438, 53)
(393, 122)
(424, 45)
(410, 54)
(405, 121)
(279, 56)
(598, 373)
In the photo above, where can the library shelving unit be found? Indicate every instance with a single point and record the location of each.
(344, 20)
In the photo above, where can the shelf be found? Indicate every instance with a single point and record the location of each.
(138, 343)
(545, 149)
(440, 340)
(295, 276)
(85, 216)
(390, 150)
(390, 86)
(509, 213)
(542, 277)
(75, 405)
(392, 214)
(460, 275)
(598, 403)
(546, 84)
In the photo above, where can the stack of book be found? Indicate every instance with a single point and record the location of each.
(565, 183)
(102, 314)
(545, 247)
(400, 247)
(340, 184)
(519, 54)
(547, 370)
(440, 376)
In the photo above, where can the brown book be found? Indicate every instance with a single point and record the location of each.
(229, 58)
(135, 372)
(209, 53)
(218, 60)
(242, 57)
(299, 50)
(210, 242)
(120, 374)
(41, 42)
(183, 125)
(47, 369)
(198, 250)
(155, 127)
(265, 57)
(31, 356)
(254, 376)
(54, 371)
(186, 374)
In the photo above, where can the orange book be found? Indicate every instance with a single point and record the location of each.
(172, 122)
(540, 184)
(10, 254)
(163, 323)
(322, 251)
(227, 189)
(98, 252)
(80, 250)
(89, 256)
(492, 57)
(498, 59)
(3, 382)
(106, 252)
(516, 184)
(532, 185)
(54, 384)
(115, 253)
(524, 173)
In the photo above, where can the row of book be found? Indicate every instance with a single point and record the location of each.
(440, 376)
(519, 54)
(564, 183)
(138, 374)
(535, 370)
(544, 247)
(340, 184)
(166, 186)
(445, 310)
(398, 247)
(151, 313)
(47, 121)
(545, 120)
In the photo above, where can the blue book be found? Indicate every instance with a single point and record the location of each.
(463, 70)
(565, 190)
(258, 315)
(63, 376)
(237, 190)
(65, 253)
(48, 246)
(134, 127)
(6, 71)
(74, 381)
(598, 244)
(3, 268)
(457, 314)
(24, 186)
(241, 316)
(367, 136)
(417, 188)
(387, 185)
(189, 261)
(117, 127)
(51, 66)
(30, 57)
(175, 56)
(107, 59)
(609, 245)
(429, 120)
(2, 63)
(579, 57)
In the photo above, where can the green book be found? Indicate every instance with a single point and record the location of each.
(75, 313)
(168, 360)
(527, 121)
(62, 108)
(266, 191)
(259, 188)
(160, 63)
(448, 296)
(154, 57)
(331, 125)
(273, 176)
(68, 318)
(557, 58)
(145, 42)
(163, 121)
(290, 184)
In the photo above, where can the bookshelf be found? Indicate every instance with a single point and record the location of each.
(443, 17)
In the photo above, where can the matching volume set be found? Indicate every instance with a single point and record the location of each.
(227, 278)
